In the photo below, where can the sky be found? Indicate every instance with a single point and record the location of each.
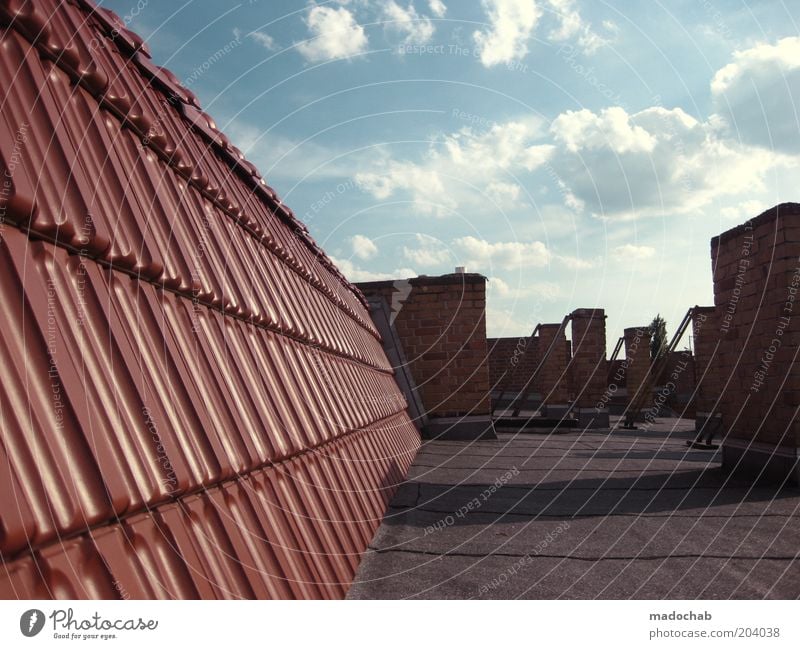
(578, 154)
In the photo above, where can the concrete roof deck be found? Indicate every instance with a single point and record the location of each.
(595, 514)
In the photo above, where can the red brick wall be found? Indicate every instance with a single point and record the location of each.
(504, 355)
(442, 327)
(706, 334)
(756, 286)
(637, 359)
(552, 380)
(588, 370)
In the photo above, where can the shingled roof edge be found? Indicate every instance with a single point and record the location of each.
(167, 83)
(27, 20)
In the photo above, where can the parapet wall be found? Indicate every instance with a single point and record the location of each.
(509, 367)
(756, 283)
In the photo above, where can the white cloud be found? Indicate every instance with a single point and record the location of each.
(617, 165)
(631, 252)
(413, 27)
(577, 263)
(441, 182)
(334, 34)
(743, 211)
(758, 95)
(511, 25)
(481, 255)
(425, 186)
(265, 40)
(356, 274)
(513, 22)
(572, 27)
(612, 129)
(428, 252)
(363, 247)
(500, 289)
(507, 322)
(505, 195)
(611, 163)
(438, 8)
(504, 146)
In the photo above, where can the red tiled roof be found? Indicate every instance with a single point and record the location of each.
(195, 402)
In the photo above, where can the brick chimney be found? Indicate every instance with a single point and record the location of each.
(441, 323)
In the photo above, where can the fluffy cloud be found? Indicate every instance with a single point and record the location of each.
(438, 8)
(482, 255)
(612, 129)
(511, 25)
(334, 34)
(264, 40)
(614, 164)
(513, 22)
(499, 288)
(743, 210)
(428, 252)
(503, 146)
(572, 27)
(356, 274)
(618, 165)
(577, 263)
(425, 186)
(507, 322)
(363, 247)
(457, 161)
(630, 252)
(758, 95)
(413, 27)
(504, 195)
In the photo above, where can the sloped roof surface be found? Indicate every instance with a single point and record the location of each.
(195, 402)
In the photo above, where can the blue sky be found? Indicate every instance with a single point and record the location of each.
(579, 154)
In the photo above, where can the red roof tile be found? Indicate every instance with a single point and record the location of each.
(194, 399)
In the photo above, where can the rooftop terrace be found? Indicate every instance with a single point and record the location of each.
(602, 514)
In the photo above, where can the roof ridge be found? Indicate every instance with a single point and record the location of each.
(169, 84)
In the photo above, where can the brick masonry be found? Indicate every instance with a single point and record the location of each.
(441, 323)
(637, 360)
(508, 366)
(705, 333)
(552, 379)
(587, 369)
(756, 284)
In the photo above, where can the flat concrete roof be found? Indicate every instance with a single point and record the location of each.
(595, 514)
